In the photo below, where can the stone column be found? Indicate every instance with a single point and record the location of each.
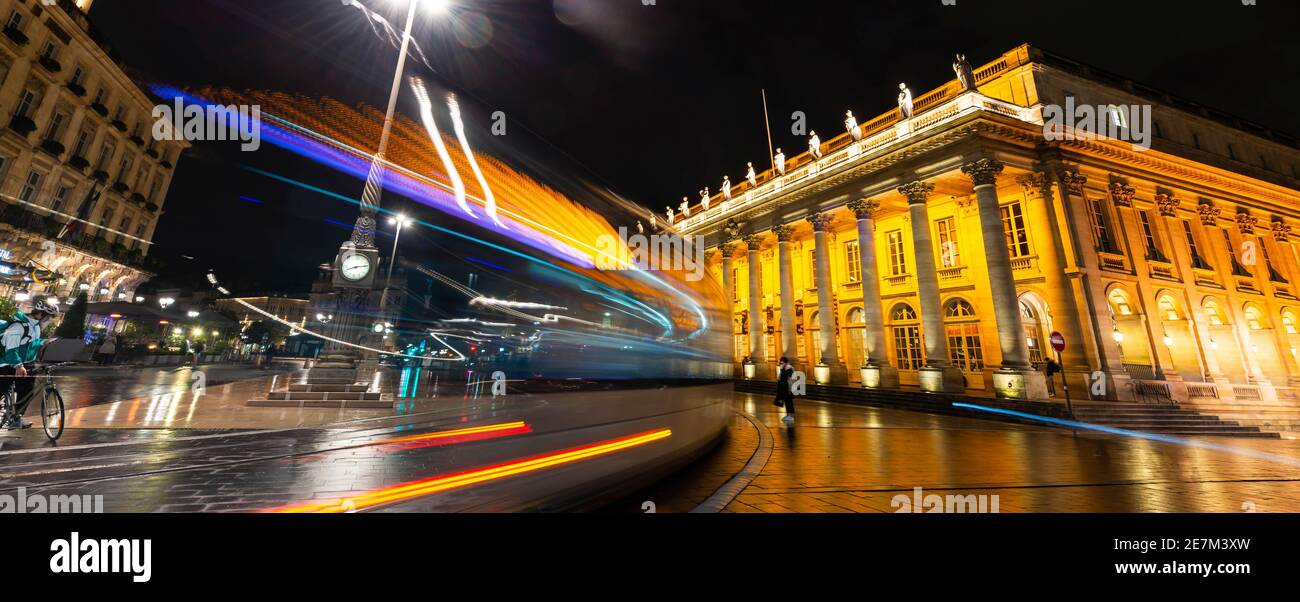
(877, 372)
(1059, 290)
(830, 370)
(728, 304)
(1016, 379)
(938, 375)
(789, 346)
(757, 323)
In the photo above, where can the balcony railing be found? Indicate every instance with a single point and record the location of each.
(844, 151)
(1024, 264)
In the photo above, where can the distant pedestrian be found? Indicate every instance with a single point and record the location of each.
(108, 350)
(268, 356)
(1052, 369)
(198, 352)
(784, 396)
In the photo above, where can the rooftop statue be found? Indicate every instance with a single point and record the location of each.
(670, 215)
(726, 189)
(779, 162)
(904, 101)
(750, 175)
(851, 124)
(685, 207)
(964, 74)
(815, 146)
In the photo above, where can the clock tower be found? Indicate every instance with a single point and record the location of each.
(358, 259)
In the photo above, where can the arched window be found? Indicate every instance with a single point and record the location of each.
(906, 337)
(857, 316)
(1289, 322)
(964, 348)
(903, 313)
(1119, 299)
(1169, 309)
(857, 336)
(1213, 313)
(1254, 318)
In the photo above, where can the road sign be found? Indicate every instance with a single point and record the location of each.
(1058, 341)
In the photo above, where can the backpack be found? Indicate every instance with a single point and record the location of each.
(25, 347)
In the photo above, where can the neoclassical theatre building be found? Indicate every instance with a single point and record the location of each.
(941, 249)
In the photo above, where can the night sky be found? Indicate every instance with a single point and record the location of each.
(653, 102)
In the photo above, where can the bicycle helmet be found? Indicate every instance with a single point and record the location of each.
(45, 306)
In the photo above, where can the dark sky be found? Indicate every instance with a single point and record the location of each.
(654, 101)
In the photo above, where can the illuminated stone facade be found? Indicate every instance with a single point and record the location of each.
(1171, 271)
(74, 122)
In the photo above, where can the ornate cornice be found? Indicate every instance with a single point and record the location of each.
(984, 172)
(1246, 222)
(1036, 182)
(820, 221)
(1168, 204)
(1122, 194)
(1209, 214)
(916, 192)
(783, 232)
(1281, 231)
(863, 208)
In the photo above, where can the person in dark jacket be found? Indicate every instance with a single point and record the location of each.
(784, 397)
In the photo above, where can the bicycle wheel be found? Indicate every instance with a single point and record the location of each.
(7, 403)
(52, 414)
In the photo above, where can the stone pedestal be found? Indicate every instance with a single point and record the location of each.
(1020, 384)
(941, 379)
(830, 374)
(879, 377)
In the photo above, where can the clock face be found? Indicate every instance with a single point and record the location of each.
(355, 266)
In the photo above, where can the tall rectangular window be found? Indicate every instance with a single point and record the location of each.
(60, 198)
(15, 21)
(1197, 260)
(812, 269)
(26, 102)
(83, 141)
(964, 350)
(55, 130)
(1013, 228)
(1273, 274)
(1100, 225)
(853, 258)
(1149, 235)
(1237, 269)
(897, 254)
(907, 347)
(30, 186)
(949, 253)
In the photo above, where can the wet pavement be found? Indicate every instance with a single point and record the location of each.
(844, 458)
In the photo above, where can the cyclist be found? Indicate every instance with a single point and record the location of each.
(21, 340)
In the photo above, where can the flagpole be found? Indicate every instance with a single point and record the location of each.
(767, 123)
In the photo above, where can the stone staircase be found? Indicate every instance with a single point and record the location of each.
(1168, 419)
(1163, 419)
(1280, 417)
(331, 383)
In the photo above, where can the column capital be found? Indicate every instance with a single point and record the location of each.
(731, 230)
(1036, 182)
(1246, 222)
(984, 172)
(820, 221)
(727, 248)
(1281, 231)
(783, 232)
(1209, 214)
(1074, 182)
(753, 241)
(864, 208)
(1168, 204)
(916, 192)
(1122, 194)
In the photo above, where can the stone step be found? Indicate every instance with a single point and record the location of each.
(343, 404)
(305, 396)
(328, 388)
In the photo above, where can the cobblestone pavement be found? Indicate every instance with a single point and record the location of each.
(844, 458)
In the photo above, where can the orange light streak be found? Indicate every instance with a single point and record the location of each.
(438, 484)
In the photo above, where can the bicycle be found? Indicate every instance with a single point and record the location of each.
(52, 408)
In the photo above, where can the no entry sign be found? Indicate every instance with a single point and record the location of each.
(1058, 341)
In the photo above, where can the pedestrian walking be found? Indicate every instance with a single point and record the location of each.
(784, 396)
(108, 351)
(1052, 369)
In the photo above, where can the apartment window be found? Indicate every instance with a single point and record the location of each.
(15, 21)
(897, 256)
(124, 168)
(1100, 225)
(1237, 269)
(854, 260)
(78, 74)
(55, 130)
(49, 50)
(1197, 260)
(1013, 228)
(949, 254)
(60, 198)
(99, 97)
(104, 156)
(83, 141)
(26, 103)
(30, 186)
(153, 190)
(1149, 235)
(119, 113)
